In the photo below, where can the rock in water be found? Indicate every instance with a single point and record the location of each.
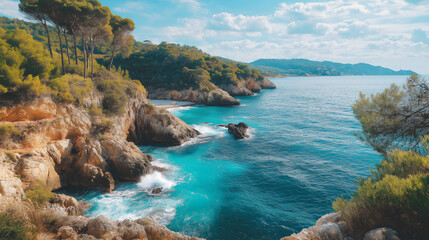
(157, 190)
(238, 130)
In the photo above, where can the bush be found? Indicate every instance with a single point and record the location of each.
(11, 228)
(396, 196)
(71, 88)
(114, 102)
(39, 193)
(7, 131)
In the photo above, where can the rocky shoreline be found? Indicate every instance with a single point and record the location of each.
(63, 145)
(332, 227)
(223, 95)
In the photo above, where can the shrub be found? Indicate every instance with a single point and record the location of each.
(11, 155)
(39, 193)
(7, 130)
(71, 88)
(396, 196)
(103, 124)
(114, 102)
(11, 228)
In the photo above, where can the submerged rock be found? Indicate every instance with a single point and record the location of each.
(239, 131)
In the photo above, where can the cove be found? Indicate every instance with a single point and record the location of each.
(302, 154)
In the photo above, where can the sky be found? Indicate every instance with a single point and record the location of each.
(389, 33)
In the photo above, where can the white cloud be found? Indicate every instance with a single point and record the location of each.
(240, 22)
(9, 8)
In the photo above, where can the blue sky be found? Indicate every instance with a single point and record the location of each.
(390, 33)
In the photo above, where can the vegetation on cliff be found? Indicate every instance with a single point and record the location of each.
(172, 66)
(396, 195)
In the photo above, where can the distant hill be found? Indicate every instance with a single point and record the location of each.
(304, 67)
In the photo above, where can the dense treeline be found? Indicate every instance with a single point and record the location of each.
(87, 21)
(395, 123)
(172, 66)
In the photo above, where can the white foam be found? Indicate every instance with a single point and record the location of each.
(159, 163)
(207, 133)
(251, 132)
(179, 109)
(154, 180)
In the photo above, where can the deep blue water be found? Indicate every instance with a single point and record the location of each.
(302, 155)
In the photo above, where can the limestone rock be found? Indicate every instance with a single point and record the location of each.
(67, 233)
(382, 234)
(155, 231)
(131, 230)
(100, 226)
(327, 227)
(161, 127)
(215, 97)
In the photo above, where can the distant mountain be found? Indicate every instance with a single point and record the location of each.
(304, 67)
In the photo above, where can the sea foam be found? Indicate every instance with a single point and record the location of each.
(154, 180)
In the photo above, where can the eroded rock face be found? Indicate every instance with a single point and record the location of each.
(61, 144)
(162, 127)
(156, 231)
(216, 97)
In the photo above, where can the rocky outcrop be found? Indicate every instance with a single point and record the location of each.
(102, 227)
(64, 145)
(216, 97)
(331, 227)
(246, 87)
(161, 127)
(381, 234)
(239, 131)
(267, 84)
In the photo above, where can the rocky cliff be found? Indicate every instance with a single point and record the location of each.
(222, 95)
(65, 145)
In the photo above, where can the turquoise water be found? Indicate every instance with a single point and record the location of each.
(302, 154)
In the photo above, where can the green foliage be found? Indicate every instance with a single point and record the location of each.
(39, 193)
(178, 67)
(396, 117)
(7, 130)
(114, 102)
(395, 196)
(11, 228)
(71, 88)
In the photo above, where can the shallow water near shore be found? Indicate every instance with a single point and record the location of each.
(301, 156)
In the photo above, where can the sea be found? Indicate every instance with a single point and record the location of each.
(301, 155)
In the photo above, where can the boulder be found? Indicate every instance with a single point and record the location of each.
(382, 234)
(101, 226)
(131, 230)
(239, 131)
(67, 233)
(156, 231)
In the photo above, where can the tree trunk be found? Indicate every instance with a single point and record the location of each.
(67, 45)
(111, 58)
(61, 50)
(49, 38)
(92, 59)
(84, 57)
(75, 49)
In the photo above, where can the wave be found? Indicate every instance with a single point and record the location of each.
(179, 109)
(155, 180)
(207, 131)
